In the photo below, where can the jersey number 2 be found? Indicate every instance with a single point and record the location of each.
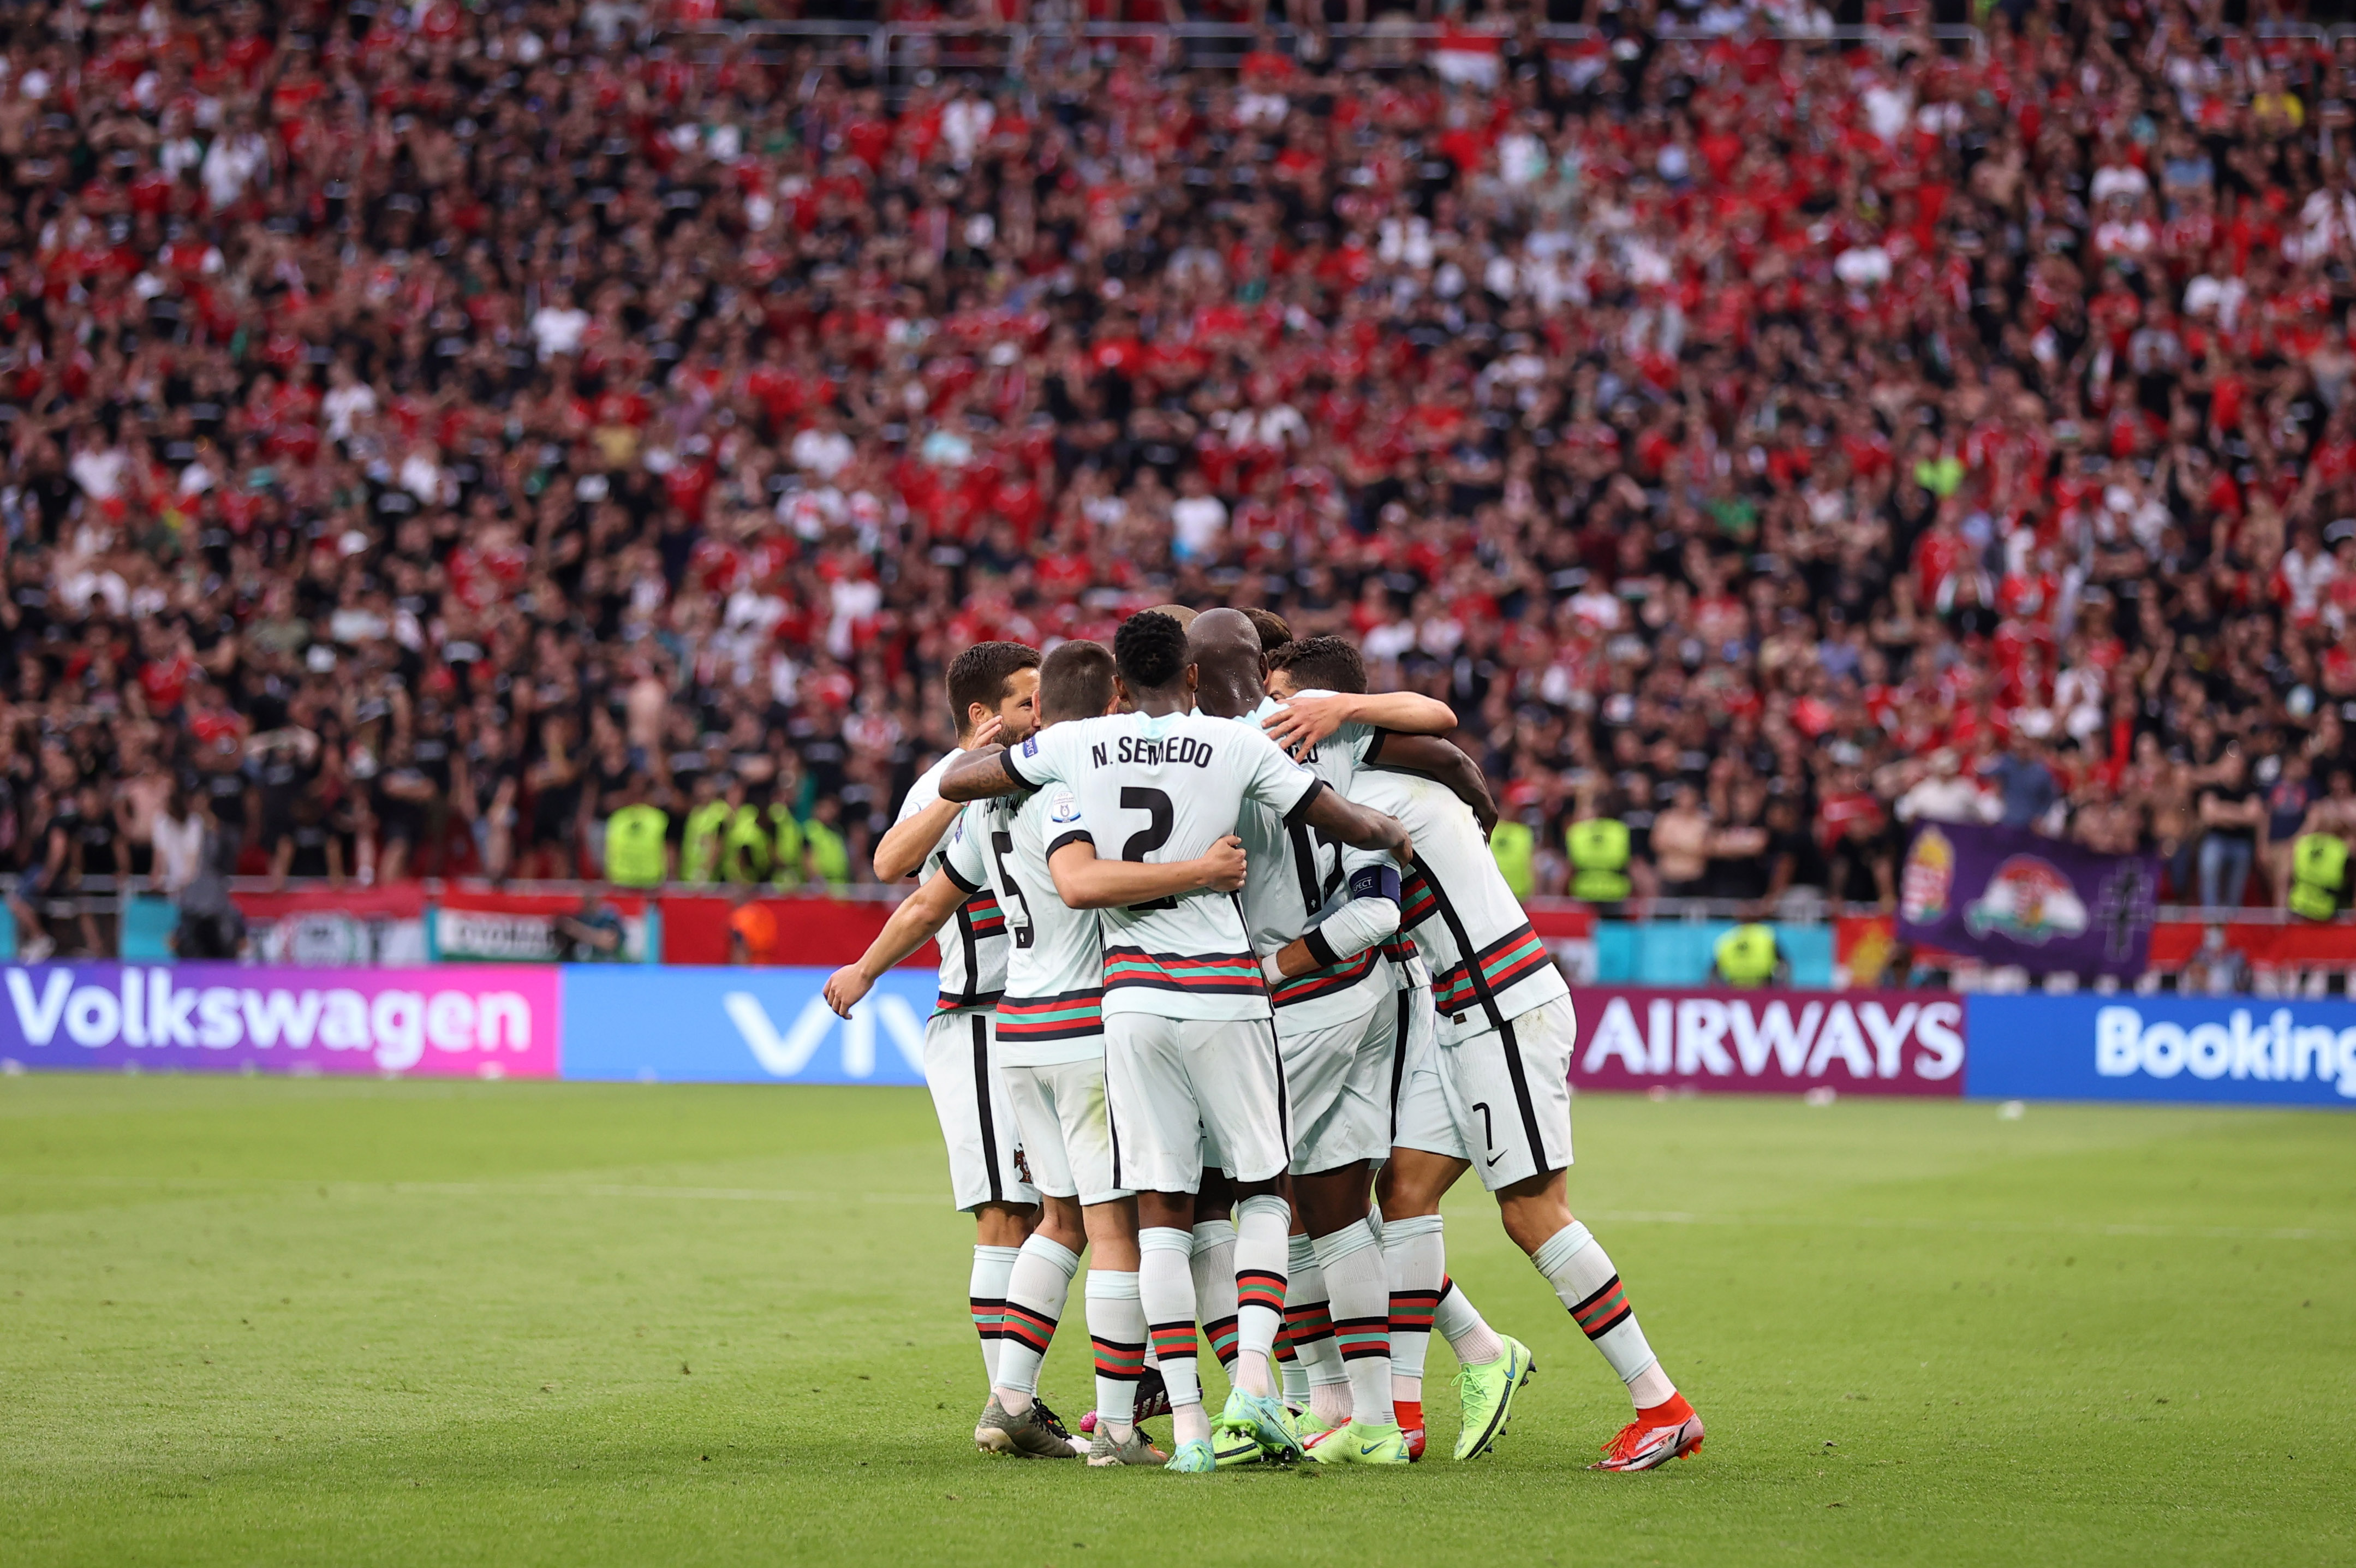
(1159, 815)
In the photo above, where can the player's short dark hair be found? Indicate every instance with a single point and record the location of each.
(1075, 682)
(1149, 651)
(1321, 663)
(1274, 630)
(980, 675)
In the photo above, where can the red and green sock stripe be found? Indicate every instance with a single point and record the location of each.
(1307, 1322)
(1175, 1341)
(1412, 1310)
(1363, 1337)
(1222, 1333)
(1119, 1363)
(1260, 1287)
(1026, 1327)
(1604, 1311)
(987, 1311)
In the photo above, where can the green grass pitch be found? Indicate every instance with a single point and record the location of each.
(261, 1321)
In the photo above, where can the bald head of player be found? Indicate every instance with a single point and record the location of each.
(1231, 670)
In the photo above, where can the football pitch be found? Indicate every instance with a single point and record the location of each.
(281, 1321)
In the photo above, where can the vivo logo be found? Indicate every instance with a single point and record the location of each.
(783, 1056)
(2279, 1050)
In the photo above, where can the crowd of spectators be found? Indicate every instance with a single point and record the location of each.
(432, 427)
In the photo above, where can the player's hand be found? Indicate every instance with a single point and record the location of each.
(845, 987)
(1304, 721)
(1223, 865)
(1485, 813)
(987, 732)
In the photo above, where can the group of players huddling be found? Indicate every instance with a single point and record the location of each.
(1224, 956)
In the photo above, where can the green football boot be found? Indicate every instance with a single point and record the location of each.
(1193, 1460)
(1357, 1443)
(1488, 1392)
(1264, 1419)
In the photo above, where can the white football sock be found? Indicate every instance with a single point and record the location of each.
(1309, 1324)
(1575, 1264)
(1215, 1287)
(1460, 1323)
(1353, 1263)
(986, 1294)
(1117, 1331)
(1261, 1223)
(1165, 1286)
(1035, 1293)
(1415, 1256)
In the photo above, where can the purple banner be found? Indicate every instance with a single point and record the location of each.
(2006, 896)
(224, 1017)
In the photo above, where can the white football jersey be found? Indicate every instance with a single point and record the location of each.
(1488, 966)
(1296, 876)
(1161, 789)
(973, 944)
(1053, 1009)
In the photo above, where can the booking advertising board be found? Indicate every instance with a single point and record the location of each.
(2224, 1051)
(1768, 1042)
(221, 1018)
(742, 1026)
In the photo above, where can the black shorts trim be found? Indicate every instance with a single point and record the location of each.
(981, 1082)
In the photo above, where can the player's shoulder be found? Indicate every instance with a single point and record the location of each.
(926, 789)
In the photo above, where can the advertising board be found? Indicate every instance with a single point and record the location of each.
(1763, 1042)
(221, 1017)
(742, 1026)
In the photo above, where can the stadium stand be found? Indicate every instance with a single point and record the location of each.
(434, 428)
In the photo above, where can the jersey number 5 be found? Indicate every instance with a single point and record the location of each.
(1000, 846)
(1159, 814)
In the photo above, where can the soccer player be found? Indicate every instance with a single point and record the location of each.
(1500, 1075)
(1190, 1054)
(993, 696)
(1318, 918)
(1043, 866)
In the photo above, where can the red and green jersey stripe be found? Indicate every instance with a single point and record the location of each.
(1208, 974)
(1416, 903)
(989, 919)
(1517, 955)
(1325, 981)
(1075, 1015)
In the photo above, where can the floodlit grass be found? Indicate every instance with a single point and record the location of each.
(287, 1321)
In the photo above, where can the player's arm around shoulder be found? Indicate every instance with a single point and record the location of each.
(1309, 717)
(1084, 881)
(1441, 761)
(911, 926)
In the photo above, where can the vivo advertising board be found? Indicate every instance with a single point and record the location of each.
(2226, 1050)
(1761, 1042)
(742, 1026)
(218, 1017)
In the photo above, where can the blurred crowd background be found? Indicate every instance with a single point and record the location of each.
(431, 428)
